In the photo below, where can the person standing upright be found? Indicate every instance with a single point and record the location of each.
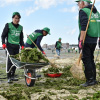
(90, 40)
(13, 34)
(58, 46)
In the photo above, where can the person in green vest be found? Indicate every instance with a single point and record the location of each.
(90, 40)
(58, 46)
(36, 37)
(68, 50)
(13, 34)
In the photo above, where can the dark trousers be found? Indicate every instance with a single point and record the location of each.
(12, 51)
(88, 57)
(28, 45)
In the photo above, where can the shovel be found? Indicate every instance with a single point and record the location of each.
(77, 68)
(52, 64)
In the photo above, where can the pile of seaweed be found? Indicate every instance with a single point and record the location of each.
(30, 55)
(52, 70)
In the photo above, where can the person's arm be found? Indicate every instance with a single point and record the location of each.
(4, 33)
(56, 45)
(61, 47)
(38, 42)
(82, 35)
(83, 22)
(21, 38)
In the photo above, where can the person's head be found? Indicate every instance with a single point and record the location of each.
(46, 31)
(16, 17)
(83, 3)
(59, 39)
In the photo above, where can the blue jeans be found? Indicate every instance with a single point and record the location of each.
(58, 52)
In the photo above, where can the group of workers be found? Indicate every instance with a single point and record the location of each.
(13, 34)
(12, 39)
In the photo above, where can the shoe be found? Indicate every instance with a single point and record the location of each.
(38, 76)
(14, 79)
(88, 83)
(89, 79)
(96, 82)
(9, 80)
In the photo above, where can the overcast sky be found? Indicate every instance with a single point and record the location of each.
(61, 16)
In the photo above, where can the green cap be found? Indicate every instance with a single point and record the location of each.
(16, 13)
(59, 38)
(47, 30)
(89, 1)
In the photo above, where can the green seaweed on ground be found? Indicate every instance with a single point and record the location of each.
(68, 83)
(15, 95)
(51, 93)
(65, 80)
(52, 70)
(70, 97)
(73, 82)
(96, 96)
(20, 92)
(44, 97)
(66, 72)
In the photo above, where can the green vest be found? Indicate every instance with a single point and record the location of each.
(33, 37)
(58, 45)
(14, 34)
(94, 26)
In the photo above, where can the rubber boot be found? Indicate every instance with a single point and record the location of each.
(89, 79)
(37, 75)
(94, 72)
(9, 78)
(13, 78)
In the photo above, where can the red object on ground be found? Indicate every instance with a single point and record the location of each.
(54, 75)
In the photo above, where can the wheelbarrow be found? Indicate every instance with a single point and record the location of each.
(29, 69)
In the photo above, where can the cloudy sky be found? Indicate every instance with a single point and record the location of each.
(61, 16)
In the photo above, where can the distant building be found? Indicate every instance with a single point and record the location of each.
(64, 45)
(45, 46)
(51, 46)
(67, 44)
(73, 46)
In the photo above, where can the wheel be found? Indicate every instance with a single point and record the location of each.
(30, 82)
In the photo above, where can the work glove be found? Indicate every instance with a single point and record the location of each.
(81, 44)
(4, 46)
(44, 53)
(99, 43)
(22, 47)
